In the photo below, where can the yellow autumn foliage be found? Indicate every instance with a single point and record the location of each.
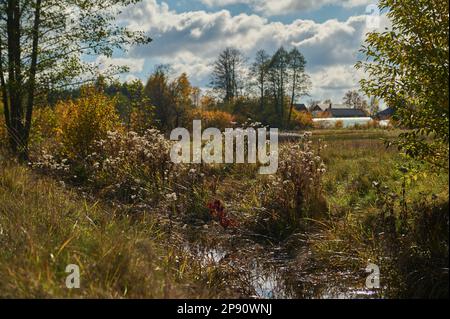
(85, 120)
(217, 119)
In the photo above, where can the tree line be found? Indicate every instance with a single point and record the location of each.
(275, 82)
(264, 90)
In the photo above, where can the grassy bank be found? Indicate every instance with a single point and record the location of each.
(370, 205)
(44, 228)
(388, 210)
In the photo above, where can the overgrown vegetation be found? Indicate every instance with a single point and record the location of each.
(86, 176)
(45, 227)
(389, 210)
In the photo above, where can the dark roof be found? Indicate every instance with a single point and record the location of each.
(385, 113)
(347, 113)
(301, 107)
(316, 108)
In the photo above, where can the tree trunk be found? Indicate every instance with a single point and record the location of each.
(18, 120)
(4, 90)
(32, 77)
(262, 95)
(292, 97)
(14, 77)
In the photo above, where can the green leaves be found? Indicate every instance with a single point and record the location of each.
(69, 33)
(408, 68)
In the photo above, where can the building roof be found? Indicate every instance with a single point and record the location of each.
(340, 113)
(301, 107)
(318, 107)
(385, 113)
(340, 106)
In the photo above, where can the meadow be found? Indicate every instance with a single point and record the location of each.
(226, 231)
(88, 181)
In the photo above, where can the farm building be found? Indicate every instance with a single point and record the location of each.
(346, 113)
(300, 107)
(318, 109)
(385, 114)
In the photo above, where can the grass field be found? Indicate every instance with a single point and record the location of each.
(45, 225)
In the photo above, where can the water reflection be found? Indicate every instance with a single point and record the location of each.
(273, 274)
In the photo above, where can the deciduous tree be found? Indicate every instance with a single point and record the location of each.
(408, 67)
(300, 82)
(42, 45)
(227, 77)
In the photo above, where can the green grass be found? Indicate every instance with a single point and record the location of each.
(44, 227)
(353, 166)
(355, 134)
(413, 260)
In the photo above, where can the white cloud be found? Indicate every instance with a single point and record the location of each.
(333, 81)
(190, 41)
(282, 7)
(134, 65)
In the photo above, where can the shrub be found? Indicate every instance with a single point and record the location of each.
(44, 126)
(141, 118)
(134, 169)
(217, 119)
(414, 238)
(339, 124)
(303, 120)
(130, 167)
(85, 120)
(373, 124)
(295, 192)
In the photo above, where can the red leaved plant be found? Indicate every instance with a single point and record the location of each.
(217, 211)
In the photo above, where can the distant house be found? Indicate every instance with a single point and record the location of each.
(317, 109)
(345, 113)
(330, 110)
(385, 114)
(338, 106)
(300, 107)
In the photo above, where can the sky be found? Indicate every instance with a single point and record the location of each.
(190, 34)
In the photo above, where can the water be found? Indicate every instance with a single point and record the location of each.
(272, 273)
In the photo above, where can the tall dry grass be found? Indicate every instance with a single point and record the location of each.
(44, 228)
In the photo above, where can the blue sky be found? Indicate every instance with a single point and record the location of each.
(189, 34)
(321, 14)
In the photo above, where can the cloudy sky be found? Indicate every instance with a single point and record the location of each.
(189, 34)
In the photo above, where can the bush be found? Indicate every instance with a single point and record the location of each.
(295, 192)
(141, 119)
(85, 120)
(373, 124)
(302, 120)
(130, 167)
(414, 237)
(217, 119)
(44, 127)
(123, 166)
(339, 124)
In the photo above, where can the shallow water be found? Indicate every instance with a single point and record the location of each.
(272, 273)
